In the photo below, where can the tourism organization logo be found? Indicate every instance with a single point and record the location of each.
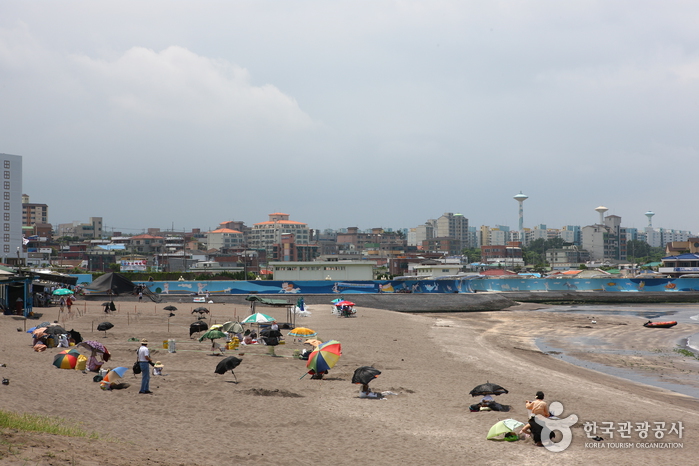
(617, 435)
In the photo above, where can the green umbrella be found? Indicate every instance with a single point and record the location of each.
(503, 427)
(62, 292)
(232, 327)
(212, 335)
(258, 318)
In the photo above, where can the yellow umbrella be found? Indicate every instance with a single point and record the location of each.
(302, 332)
(215, 326)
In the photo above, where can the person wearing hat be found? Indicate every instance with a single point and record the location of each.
(144, 361)
(158, 368)
(537, 407)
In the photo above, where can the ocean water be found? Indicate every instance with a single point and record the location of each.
(685, 314)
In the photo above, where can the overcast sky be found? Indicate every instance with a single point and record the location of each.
(373, 113)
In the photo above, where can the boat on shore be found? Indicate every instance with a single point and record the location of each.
(668, 324)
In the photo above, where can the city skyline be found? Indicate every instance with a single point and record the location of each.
(342, 114)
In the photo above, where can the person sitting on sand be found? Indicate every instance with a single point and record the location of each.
(537, 407)
(365, 392)
(487, 403)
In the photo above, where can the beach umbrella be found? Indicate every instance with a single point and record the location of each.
(104, 326)
(75, 336)
(197, 326)
(503, 427)
(115, 374)
(216, 327)
(488, 389)
(212, 335)
(365, 374)
(67, 359)
(336, 300)
(62, 292)
(170, 308)
(302, 332)
(96, 347)
(201, 310)
(257, 318)
(232, 327)
(55, 330)
(344, 303)
(325, 356)
(228, 364)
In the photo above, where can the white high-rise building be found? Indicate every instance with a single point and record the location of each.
(11, 206)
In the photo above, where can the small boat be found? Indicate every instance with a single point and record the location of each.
(669, 324)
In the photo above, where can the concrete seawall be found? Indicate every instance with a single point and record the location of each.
(456, 302)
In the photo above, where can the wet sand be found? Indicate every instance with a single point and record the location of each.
(273, 416)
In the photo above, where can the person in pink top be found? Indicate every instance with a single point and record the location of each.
(538, 406)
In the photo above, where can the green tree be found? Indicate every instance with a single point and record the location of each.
(473, 254)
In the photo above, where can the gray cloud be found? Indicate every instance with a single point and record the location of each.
(352, 113)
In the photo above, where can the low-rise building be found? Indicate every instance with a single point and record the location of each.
(340, 270)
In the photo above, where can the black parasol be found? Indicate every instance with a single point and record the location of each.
(201, 310)
(488, 389)
(170, 308)
(228, 364)
(104, 326)
(55, 330)
(75, 336)
(365, 374)
(198, 326)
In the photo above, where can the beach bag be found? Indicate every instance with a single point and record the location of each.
(136, 368)
(82, 363)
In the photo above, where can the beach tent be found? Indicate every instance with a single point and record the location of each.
(116, 282)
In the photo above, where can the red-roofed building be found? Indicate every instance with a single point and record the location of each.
(265, 235)
(147, 244)
(224, 238)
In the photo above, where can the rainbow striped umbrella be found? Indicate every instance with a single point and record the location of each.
(325, 356)
(66, 359)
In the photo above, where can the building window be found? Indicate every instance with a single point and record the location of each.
(6, 237)
(7, 206)
(7, 195)
(6, 227)
(7, 185)
(7, 216)
(7, 175)
(7, 164)
(6, 248)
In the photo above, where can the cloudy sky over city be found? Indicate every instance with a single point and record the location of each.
(184, 114)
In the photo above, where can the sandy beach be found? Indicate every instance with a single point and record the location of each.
(274, 416)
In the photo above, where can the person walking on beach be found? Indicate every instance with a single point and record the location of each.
(69, 304)
(62, 304)
(538, 406)
(144, 361)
